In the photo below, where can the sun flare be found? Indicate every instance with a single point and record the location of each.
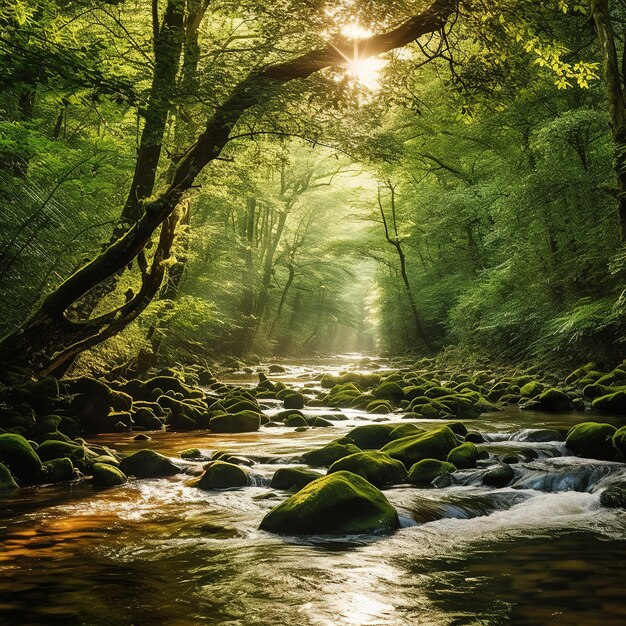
(365, 71)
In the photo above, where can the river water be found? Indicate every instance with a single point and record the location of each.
(161, 552)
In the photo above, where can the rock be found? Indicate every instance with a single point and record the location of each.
(105, 475)
(328, 454)
(554, 401)
(319, 422)
(376, 467)
(458, 428)
(242, 422)
(148, 464)
(614, 496)
(7, 482)
(58, 470)
(191, 453)
(474, 437)
(276, 369)
(425, 471)
(146, 418)
(464, 456)
(499, 476)
(388, 390)
(51, 449)
(341, 503)
(293, 400)
(509, 459)
(532, 389)
(142, 437)
(293, 478)
(375, 436)
(222, 475)
(592, 440)
(612, 403)
(432, 444)
(294, 420)
(379, 407)
(18, 455)
(619, 440)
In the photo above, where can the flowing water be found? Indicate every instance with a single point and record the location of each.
(542, 551)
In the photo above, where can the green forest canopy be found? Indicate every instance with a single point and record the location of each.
(186, 178)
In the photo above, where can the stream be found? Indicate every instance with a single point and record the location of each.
(542, 551)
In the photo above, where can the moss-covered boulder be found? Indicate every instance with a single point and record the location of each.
(105, 475)
(376, 467)
(223, 475)
(319, 422)
(328, 454)
(432, 444)
(375, 436)
(293, 400)
(554, 401)
(191, 454)
(612, 403)
(7, 482)
(379, 407)
(619, 440)
(341, 503)
(592, 440)
(498, 476)
(57, 470)
(52, 449)
(425, 471)
(148, 464)
(614, 496)
(388, 390)
(294, 420)
(293, 478)
(18, 455)
(532, 389)
(242, 422)
(464, 456)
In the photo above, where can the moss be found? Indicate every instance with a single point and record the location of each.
(242, 422)
(191, 453)
(148, 464)
(379, 407)
(388, 390)
(328, 454)
(294, 420)
(499, 476)
(554, 401)
(340, 503)
(18, 455)
(464, 456)
(458, 428)
(375, 436)
(146, 418)
(293, 400)
(51, 449)
(532, 389)
(425, 471)
(58, 470)
(376, 467)
(222, 475)
(612, 403)
(7, 482)
(592, 440)
(433, 444)
(614, 496)
(293, 478)
(105, 475)
(319, 422)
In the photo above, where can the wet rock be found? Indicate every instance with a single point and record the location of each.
(18, 455)
(319, 422)
(293, 478)
(376, 467)
(51, 449)
(379, 407)
(464, 456)
(58, 470)
(141, 437)
(242, 422)
(499, 476)
(294, 420)
(388, 390)
(612, 403)
(293, 400)
(532, 389)
(432, 444)
(474, 437)
(375, 436)
(619, 440)
(554, 401)
(537, 435)
(105, 475)
(191, 454)
(458, 428)
(341, 503)
(614, 496)
(425, 471)
(591, 440)
(148, 464)
(328, 454)
(509, 459)
(7, 482)
(222, 475)
(276, 369)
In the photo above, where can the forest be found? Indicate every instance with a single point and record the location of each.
(312, 283)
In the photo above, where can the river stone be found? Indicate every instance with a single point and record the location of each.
(341, 503)
(619, 440)
(499, 476)
(433, 444)
(376, 467)
(58, 470)
(293, 478)
(464, 456)
(554, 401)
(425, 471)
(592, 440)
(51, 449)
(105, 475)
(148, 464)
(294, 420)
(328, 454)
(388, 390)
(223, 475)
(319, 422)
(611, 403)
(242, 422)
(375, 436)
(18, 455)
(614, 496)
(7, 482)
(293, 400)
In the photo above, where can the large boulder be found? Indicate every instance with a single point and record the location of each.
(464, 456)
(432, 444)
(425, 471)
(388, 390)
(18, 455)
(293, 478)
(375, 436)
(7, 482)
(376, 467)
(554, 401)
(614, 496)
(592, 440)
(293, 400)
(242, 422)
(328, 454)
(223, 475)
(619, 440)
(52, 449)
(58, 470)
(612, 403)
(148, 464)
(105, 475)
(498, 476)
(341, 503)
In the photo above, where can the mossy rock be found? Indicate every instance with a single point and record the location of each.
(532, 389)
(592, 440)
(379, 407)
(458, 428)
(498, 476)
(619, 440)
(580, 373)
(593, 391)
(613, 403)
(148, 464)
(242, 422)
(375, 436)
(464, 456)
(614, 496)
(424, 472)
(58, 470)
(105, 475)
(554, 401)
(432, 444)
(296, 478)
(51, 449)
(376, 467)
(7, 482)
(388, 390)
(293, 400)
(341, 503)
(223, 475)
(20, 457)
(328, 454)
(146, 418)
(319, 422)
(294, 420)
(191, 454)
(240, 404)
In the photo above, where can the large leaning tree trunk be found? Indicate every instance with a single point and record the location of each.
(48, 337)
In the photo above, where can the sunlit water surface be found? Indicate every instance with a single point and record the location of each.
(161, 552)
